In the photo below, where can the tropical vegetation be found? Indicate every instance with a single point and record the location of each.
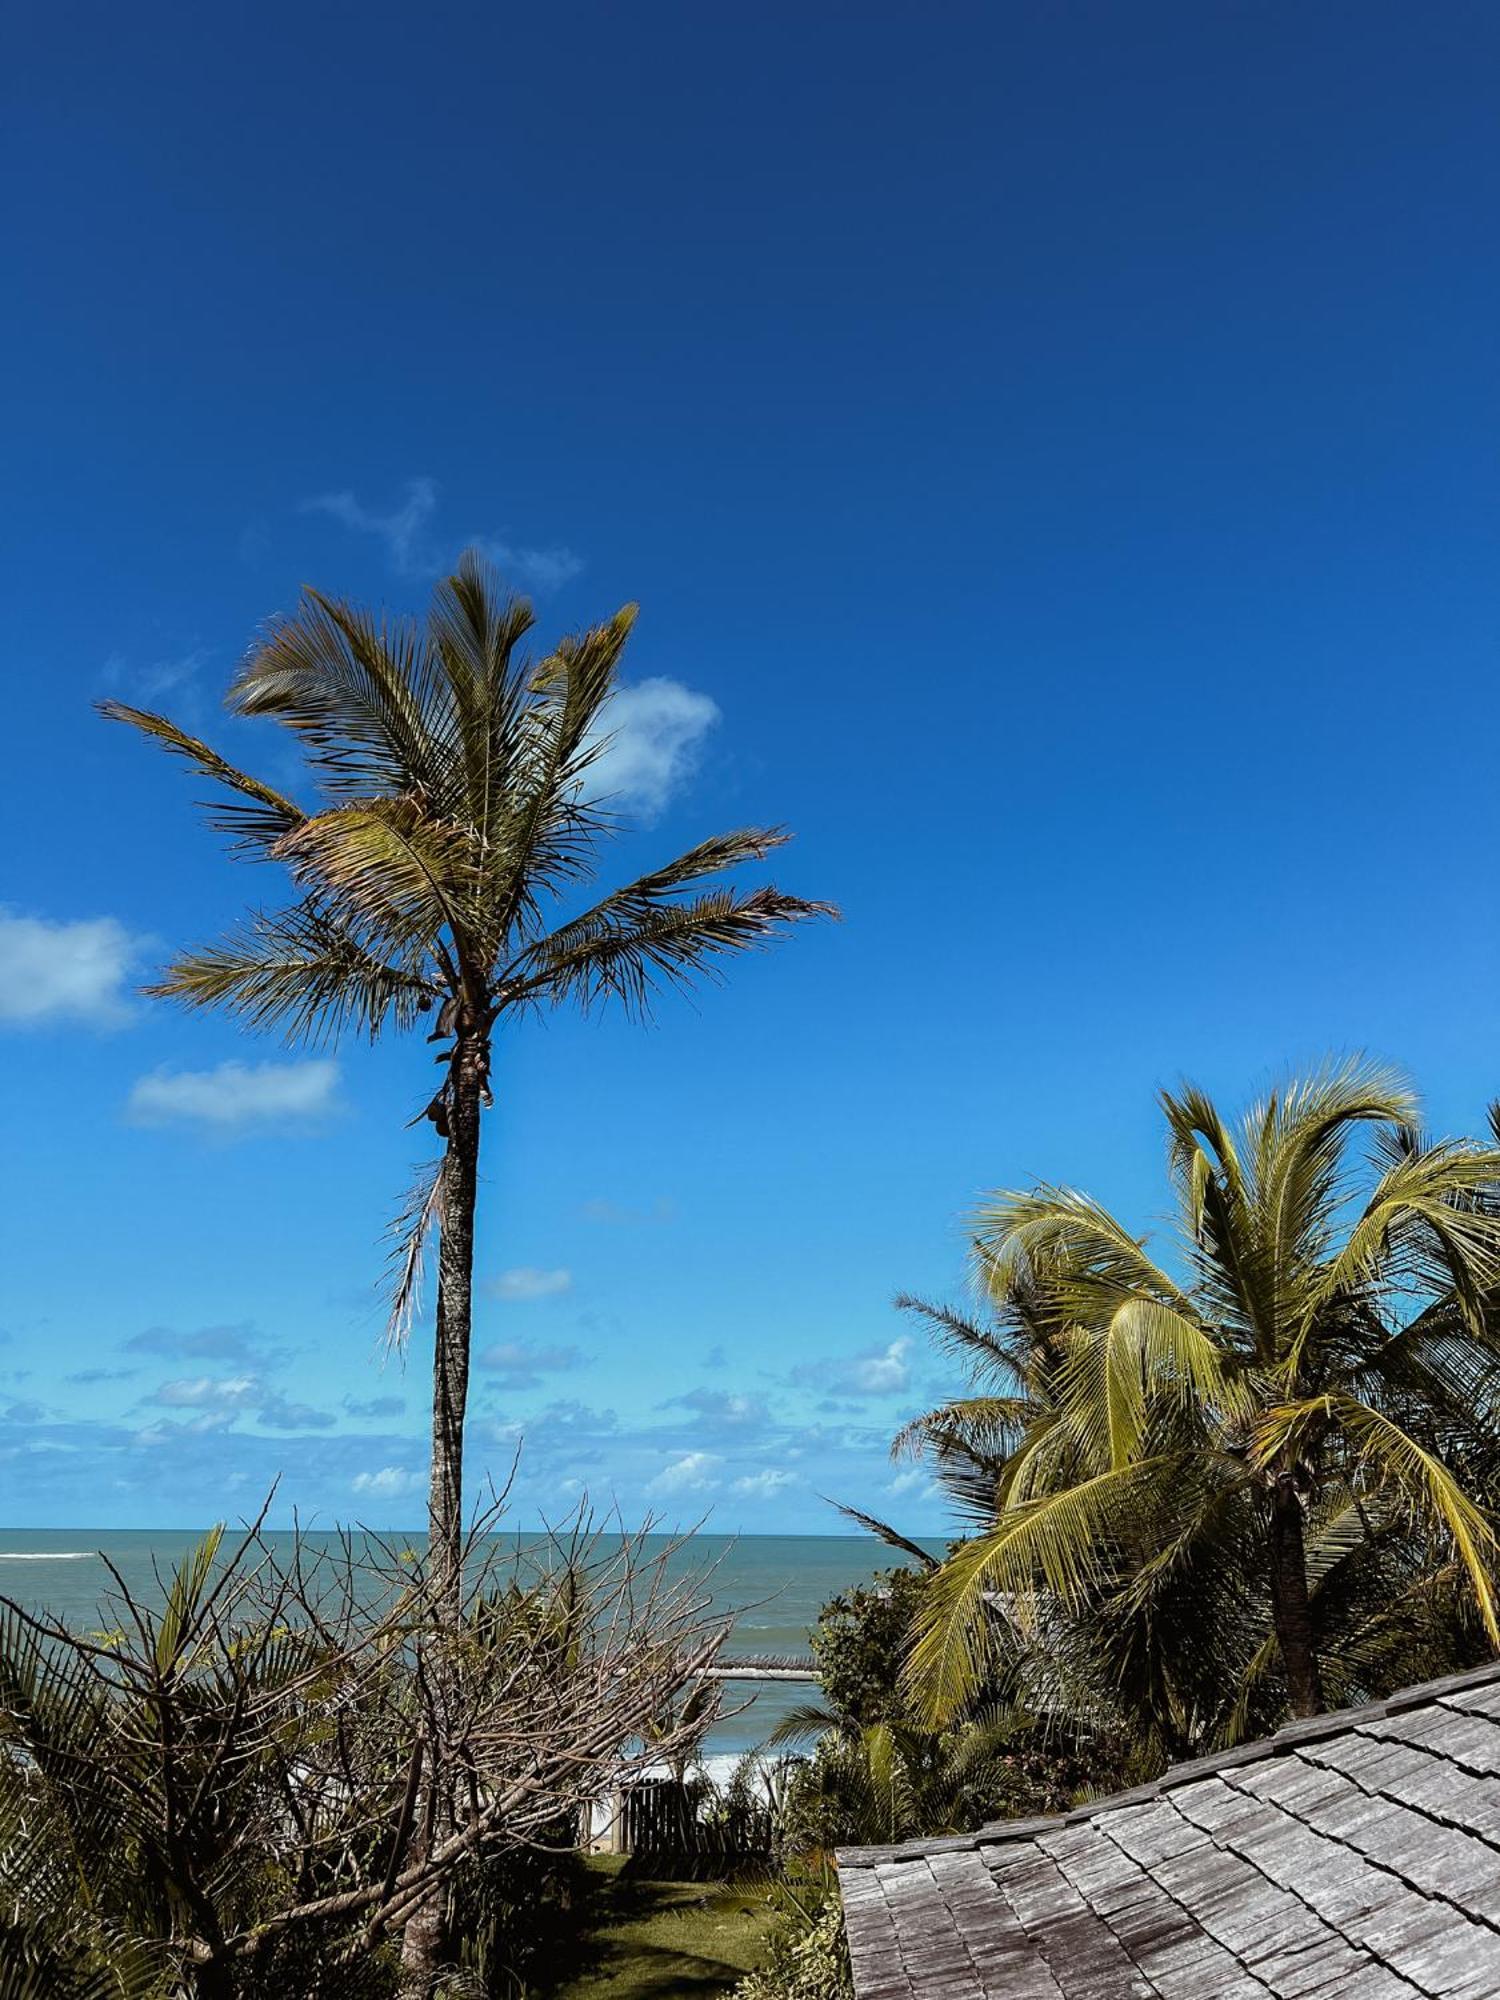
(222, 1795)
(1240, 1478)
(877, 1772)
(1199, 1487)
(806, 1961)
(1200, 1482)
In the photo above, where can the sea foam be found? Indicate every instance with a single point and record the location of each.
(46, 1555)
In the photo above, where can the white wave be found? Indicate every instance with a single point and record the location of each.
(718, 1767)
(46, 1555)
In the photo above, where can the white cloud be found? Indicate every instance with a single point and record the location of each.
(880, 1371)
(234, 1393)
(223, 1398)
(64, 971)
(651, 733)
(764, 1485)
(913, 1480)
(693, 1472)
(527, 1282)
(236, 1095)
(415, 551)
(883, 1374)
(391, 1482)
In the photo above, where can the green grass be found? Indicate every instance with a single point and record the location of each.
(664, 1940)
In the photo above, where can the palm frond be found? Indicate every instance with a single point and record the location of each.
(803, 1724)
(302, 970)
(474, 628)
(1145, 1356)
(405, 873)
(1417, 1475)
(1073, 1245)
(577, 680)
(1424, 1216)
(265, 816)
(1062, 1543)
(892, 1537)
(365, 697)
(984, 1426)
(981, 1348)
(419, 1215)
(603, 956)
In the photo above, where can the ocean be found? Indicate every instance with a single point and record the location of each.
(773, 1585)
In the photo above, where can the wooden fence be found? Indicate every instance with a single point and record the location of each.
(661, 1819)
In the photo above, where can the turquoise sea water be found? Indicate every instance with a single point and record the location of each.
(773, 1585)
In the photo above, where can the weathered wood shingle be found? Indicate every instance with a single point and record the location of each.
(1352, 1857)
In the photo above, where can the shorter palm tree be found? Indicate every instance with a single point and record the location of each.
(1263, 1462)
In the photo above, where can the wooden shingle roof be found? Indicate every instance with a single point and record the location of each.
(1352, 1857)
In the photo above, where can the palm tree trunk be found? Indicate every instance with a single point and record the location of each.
(423, 1942)
(450, 1358)
(1291, 1607)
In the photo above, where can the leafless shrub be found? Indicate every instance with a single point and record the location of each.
(292, 1754)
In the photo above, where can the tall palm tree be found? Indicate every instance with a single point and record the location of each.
(452, 810)
(1288, 1404)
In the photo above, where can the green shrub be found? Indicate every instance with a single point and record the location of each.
(859, 1642)
(806, 1961)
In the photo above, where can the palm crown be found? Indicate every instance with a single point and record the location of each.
(1318, 1373)
(454, 811)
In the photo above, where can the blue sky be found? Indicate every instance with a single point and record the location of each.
(1054, 449)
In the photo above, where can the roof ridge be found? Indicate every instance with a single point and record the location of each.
(1309, 1729)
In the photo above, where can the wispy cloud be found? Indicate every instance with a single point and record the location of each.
(540, 570)
(206, 1343)
(220, 1400)
(254, 542)
(527, 1282)
(227, 1393)
(59, 971)
(878, 1371)
(414, 549)
(622, 1215)
(157, 677)
(236, 1096)
(720, 1406)
(162, 1462)
(403, 529)
(518, 1365)
(374, 1406)
(652, 732)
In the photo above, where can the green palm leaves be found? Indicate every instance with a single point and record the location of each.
(1315, 1363)
(453, 811)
